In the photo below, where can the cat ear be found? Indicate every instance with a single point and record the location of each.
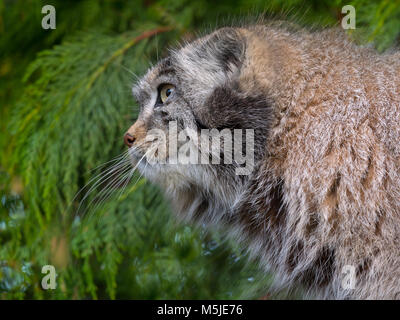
(227, 48)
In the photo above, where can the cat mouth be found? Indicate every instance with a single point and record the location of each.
(138, 158)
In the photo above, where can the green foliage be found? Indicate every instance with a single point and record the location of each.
(379, 22)
(65, 104)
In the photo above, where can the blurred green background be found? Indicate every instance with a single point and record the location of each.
(65, 104)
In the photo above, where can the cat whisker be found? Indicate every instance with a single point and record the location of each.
(122, 164)
(107, 190)
(105, 194)
(120, 157)
(124, 154)
(131, 72)
(150, 150)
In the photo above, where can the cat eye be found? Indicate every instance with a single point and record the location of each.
(165, 91)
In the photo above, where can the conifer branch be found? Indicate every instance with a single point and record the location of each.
(145, 35)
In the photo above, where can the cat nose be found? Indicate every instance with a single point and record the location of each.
(129, 139)
(135, 133)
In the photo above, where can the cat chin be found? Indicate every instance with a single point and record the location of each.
(167, 176)
(175, 177)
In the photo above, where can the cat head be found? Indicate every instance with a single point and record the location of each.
(200, 125)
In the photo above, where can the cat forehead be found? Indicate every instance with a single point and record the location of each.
(143, 88)
(191, 58)
(202, 63)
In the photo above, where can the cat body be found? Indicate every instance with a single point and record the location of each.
(322, 202)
